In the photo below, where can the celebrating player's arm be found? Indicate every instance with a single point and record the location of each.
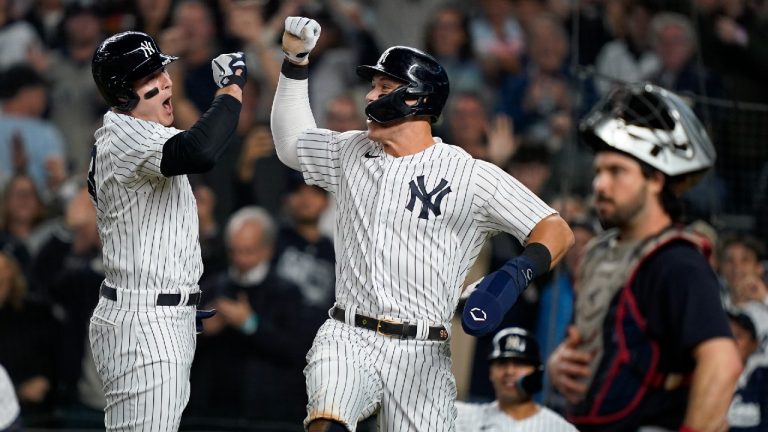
(493, 296)
(198, 149)
(291, 113)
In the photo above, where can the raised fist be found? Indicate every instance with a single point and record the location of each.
(299, 37)
(225, 67)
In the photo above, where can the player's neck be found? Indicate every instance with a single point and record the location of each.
(519, 411)
(412, 139)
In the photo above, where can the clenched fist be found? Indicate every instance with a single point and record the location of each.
(300, 36)
(225, 69)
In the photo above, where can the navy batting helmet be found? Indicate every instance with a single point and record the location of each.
(122, 59)
(425, 81)
(516, 344)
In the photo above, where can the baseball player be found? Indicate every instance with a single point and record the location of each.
(413, 213)
(516, 374)
(142, 331)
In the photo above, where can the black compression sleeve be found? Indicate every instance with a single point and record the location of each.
(198, 149)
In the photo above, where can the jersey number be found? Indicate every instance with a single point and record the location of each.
(91, 175)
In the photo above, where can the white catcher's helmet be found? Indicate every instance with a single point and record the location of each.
(655, 126)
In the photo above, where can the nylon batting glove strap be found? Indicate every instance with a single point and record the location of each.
(200, 315)
(224, 68)
(300, 36)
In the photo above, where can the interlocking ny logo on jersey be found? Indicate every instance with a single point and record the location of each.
(429, 200)
(147, 48)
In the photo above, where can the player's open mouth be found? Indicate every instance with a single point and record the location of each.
(168, 105)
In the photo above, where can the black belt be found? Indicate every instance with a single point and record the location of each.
(389, 328)
(162, 299)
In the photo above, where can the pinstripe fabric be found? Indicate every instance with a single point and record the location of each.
(149, 230)
(402, 253)
(147, 223)
(353, 372)
(9, 405)
(390, 261)
(489, 418)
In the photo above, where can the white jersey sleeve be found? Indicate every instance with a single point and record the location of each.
(320, 155)
(507, 205)
(136, 148)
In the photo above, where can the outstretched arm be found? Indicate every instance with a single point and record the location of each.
(291, 113)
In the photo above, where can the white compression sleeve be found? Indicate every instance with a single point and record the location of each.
(291, 113)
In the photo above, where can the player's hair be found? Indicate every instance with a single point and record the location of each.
(253, 214)
(18, 290)
(671, 204)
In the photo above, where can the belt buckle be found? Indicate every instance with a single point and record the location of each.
(378, 327)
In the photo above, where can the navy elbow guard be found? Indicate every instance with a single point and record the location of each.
(498, 291)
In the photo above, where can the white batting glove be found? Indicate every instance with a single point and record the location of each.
(224, 68)
(300, 36)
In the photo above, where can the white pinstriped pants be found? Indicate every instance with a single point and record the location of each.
(143, 355)
(353, 372)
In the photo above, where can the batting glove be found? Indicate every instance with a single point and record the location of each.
(495, 295)
(300, 36)
(200, 315)
(224, 68)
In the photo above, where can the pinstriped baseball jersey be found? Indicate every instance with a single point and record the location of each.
(149, 229)
(147, 222)
(9, 406)
(409, 228)
(489, 418)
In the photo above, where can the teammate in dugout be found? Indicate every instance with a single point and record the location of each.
(413, 213)
(650, 346)
(142, 331)
(516, 374)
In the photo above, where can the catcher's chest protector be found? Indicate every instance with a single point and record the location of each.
(625, 364)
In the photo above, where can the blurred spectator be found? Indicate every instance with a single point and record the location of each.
(734, 41)
(540, 100)
(76, 107)
(21, 214)
(741, 269)
(212, 247)
(239, 355)
(674, 40)
(28, 335)
(244, 21)
(591, 20)
(343, 113)
(28, 143)
(10, 421)
(749, 409)
(69, 271)
(261, 177)
(448, 39)
(193, 39)
(152, 16)
(498, 38)
(469, 127)
(532, 166)
(303, 255)
(629, 59)
(16, 37)
(47, 17)
(399, 22)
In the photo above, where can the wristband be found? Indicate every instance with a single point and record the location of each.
(294, 71)
(539, 257)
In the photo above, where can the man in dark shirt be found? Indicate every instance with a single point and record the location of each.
(650, 345)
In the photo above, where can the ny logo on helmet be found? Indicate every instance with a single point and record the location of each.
(419, 190)
(147, 48)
